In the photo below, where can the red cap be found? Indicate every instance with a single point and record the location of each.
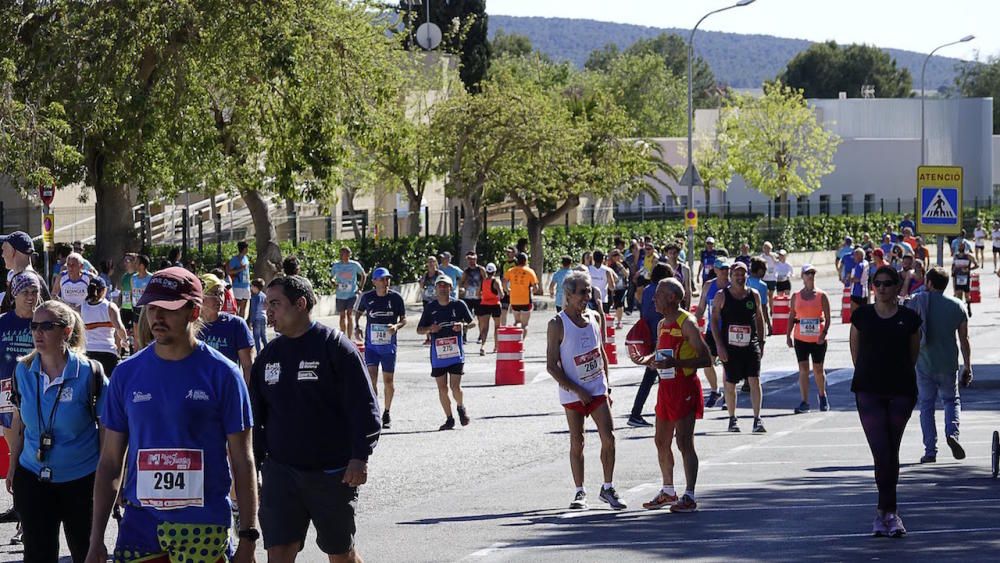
(172, 288)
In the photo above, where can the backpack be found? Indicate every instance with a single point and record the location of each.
(96, 376)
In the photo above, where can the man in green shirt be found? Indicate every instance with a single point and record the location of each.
(937, 366)
(125, 299)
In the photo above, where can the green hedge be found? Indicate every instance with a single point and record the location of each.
(406, 257)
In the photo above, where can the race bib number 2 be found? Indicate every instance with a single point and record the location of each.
(447, 348)
(6, 389)
(663, 354)
(380, 334)
(739, 336)
(809, 327)
(168, 479)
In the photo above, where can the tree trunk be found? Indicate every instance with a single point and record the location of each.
(268, 261)
(537, 259)
(472, 227)
(114, 229)
(414, 196)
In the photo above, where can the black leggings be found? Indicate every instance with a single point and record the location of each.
(884, 419)
(109, 361)
(43, 506)
(648, 379)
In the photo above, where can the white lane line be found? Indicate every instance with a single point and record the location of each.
(866, 460)
(485, 552)
(828, 446)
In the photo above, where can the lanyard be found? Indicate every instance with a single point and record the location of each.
(55, 407)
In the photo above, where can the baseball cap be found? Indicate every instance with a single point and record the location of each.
(738, 266)
(782, 252)
(445, 254)
(172, 288)
(710, 240)
(722, 264)
(491, 268)
(20, 241)
(380, 273)
(210, 282)
(444, 279)
(98, 282)
(806, 268)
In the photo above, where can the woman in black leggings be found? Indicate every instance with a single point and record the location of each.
(885, 341)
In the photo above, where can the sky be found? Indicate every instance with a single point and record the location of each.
(914, 25)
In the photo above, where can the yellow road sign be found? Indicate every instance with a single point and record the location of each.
(939, 200)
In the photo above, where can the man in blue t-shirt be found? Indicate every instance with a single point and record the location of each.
(859, 279)
(176, 414)
(228, 334)
(842, 253)
(556, 284)
(450, 270)
(444, 320)
(706, 269)
(758, 267)
(346, 275)
(385, 314)
(239, 271)
(15, 335)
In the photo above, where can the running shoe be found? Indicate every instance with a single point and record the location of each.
(895, 525)
(803, 407)
(448, 424)
(638, 421)
(16, 538)
(685, 504)
(482, 351)
(579, 501)
(824, 403)
(879, 529)
(956, 448)
(611, 497)
(662, 499)
(968, 307)
(928, 458)
(386, 420)
(758, 426)
(463, 417)
(713, 398)
(734, 426)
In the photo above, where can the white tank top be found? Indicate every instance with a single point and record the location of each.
(599, 280)
(100, 331)
(74, 292)
(580, 354)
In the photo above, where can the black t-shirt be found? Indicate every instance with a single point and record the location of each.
(454, 311)
(313, 403)
(884, 364)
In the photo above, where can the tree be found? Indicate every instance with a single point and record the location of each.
(600, 59)
(978, 79)
(775, 142)
(826, 69)
(511, 45)
(653, 98)
(673, 51)
(32, 147)
(712, 159)
(468, 39)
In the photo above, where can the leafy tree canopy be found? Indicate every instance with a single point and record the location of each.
(826, 69)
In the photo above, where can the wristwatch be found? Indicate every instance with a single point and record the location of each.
(252, 534)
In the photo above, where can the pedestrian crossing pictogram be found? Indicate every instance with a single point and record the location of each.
(939, 206)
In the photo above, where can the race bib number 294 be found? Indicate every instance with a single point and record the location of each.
(168, 479)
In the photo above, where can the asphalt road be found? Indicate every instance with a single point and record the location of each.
(498, 489)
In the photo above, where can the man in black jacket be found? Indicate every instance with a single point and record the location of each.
(318, 421)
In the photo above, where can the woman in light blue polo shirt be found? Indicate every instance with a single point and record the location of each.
(55, 444)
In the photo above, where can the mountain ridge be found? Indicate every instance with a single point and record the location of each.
(737, 59)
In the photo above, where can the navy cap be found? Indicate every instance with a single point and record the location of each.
(20, 241)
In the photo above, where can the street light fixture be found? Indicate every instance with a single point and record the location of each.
(691, 176)
(923, 135)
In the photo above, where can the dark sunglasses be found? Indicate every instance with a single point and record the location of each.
(883, 283)
(47, 325)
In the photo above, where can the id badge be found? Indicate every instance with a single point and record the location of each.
(45, 475)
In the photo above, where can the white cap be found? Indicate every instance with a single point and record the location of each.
(491, 268)
(808, 268)
(709, 240)
(782, 252)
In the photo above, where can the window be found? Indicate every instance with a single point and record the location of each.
(845, 204)
(803, 206)
(869, 203)
(824, 205)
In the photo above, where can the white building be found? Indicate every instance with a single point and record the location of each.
(877, 159)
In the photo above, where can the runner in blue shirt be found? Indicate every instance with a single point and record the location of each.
(452, 271)
(758, 267)
(385, 314)
(708, 292)
(859, 280)
(179, 410)
(706, 269)
(444, 320)
(239, 271)
(555, 286)
(227, 333)
(15, 335)
(348, 277)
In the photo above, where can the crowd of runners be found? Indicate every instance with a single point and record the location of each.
(156, 398)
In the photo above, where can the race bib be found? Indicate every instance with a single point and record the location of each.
(344, 287)
(168, 479)
(739, 336)
(447, 348)
(588, 365)
(665, 373)
(961, 280)
(472, 292)
(380, 334)
(429, 293)
(6, 388)
(809, 327)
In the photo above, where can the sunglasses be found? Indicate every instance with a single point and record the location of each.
(883, 283)
(47, 325)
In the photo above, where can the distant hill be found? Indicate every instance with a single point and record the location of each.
(739, 60)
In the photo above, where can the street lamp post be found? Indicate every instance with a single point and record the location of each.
(691, 174)
(923, 135)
